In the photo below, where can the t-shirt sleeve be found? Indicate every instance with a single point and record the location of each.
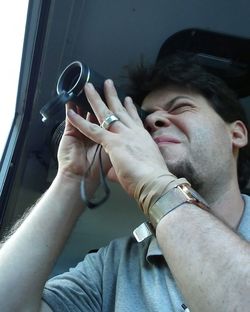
(80, 289)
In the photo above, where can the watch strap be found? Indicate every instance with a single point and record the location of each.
(177, 196)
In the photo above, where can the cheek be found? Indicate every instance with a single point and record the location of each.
(208, 133)
(211, 142)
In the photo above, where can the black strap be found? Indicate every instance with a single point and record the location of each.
(103, 182)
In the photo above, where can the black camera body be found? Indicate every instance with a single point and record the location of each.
(70, 87)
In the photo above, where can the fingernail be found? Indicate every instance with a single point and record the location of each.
(89, 85)
(110, 82)
(128, 99)
(71, 112)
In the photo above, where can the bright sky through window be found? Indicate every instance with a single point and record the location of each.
(13, 15)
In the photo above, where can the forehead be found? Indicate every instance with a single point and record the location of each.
(161, 97)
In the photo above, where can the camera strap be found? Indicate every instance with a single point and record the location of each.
(103, 182)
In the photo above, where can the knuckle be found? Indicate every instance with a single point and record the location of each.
(94, 128)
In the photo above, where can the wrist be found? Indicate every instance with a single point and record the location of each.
(179, 194)
(65, 176)
(68, 191)
(150, 189)
(70, 170)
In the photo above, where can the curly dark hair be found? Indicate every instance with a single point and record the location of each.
(184, 71)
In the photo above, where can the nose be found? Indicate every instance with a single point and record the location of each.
(156, 120)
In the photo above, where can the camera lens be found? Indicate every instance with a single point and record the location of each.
(70, 87)
(72, 79)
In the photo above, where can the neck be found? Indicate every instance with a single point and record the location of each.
(227, 204)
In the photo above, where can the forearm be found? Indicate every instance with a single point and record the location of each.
(210, 263)
(28, 256)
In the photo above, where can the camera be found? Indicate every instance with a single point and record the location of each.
(70, 87)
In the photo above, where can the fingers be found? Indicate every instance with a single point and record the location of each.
(127, 116)
(68, 106)
(132, 111)
(89, 129)
(112, 98)
(96, 102)
(114, 106)
(100, 109)
(92, 118)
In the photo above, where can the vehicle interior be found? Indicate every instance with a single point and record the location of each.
(106, 36)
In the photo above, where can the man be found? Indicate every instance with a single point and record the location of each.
(194, 135)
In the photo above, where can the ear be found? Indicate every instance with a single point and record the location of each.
(239, 134)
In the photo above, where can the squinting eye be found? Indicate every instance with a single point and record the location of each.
(180, 107)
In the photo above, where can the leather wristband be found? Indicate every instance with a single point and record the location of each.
(149, 190)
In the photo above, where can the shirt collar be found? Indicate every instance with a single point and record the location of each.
(154, 251)
(243, 228)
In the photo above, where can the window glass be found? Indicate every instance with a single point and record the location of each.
(12, 27)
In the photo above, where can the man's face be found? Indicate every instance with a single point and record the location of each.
(193, 139)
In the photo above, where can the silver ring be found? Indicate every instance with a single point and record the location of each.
(108, 121)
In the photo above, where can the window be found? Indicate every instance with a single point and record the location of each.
(12, 27)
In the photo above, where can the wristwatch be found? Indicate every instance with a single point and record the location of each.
(178, 195)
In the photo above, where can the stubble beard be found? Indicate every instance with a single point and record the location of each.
(185, 169)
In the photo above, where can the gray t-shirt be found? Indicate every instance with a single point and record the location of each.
(124, 276)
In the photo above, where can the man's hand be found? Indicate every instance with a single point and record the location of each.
(73, 149)
(76, 152)
(133, 153)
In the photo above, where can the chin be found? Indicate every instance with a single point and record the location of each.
(173, 156)
(173, 162)
(184, 169)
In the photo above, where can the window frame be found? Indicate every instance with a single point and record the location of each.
(34, 38)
